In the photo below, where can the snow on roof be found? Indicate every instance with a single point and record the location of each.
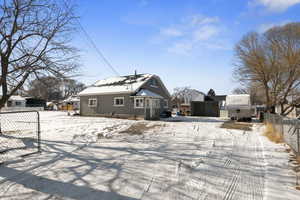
(72, 99)
(109, 81)
(17, 98)
(147, 93)
(119, 84)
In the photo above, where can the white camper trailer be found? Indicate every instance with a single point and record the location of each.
(239, 107)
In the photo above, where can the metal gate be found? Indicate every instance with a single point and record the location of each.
(19, 134)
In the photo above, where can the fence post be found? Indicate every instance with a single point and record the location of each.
(0, 125)
(298, 139)
(39, 131)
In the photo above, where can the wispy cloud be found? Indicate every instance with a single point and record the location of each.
(205, 32)
(172, 32)
(181, 47)
(192, 33)
(264, 27)
(275, 5)
(201, 20)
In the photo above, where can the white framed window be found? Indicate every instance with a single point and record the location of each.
(92, 102)
(138, 103)
(119, 101)
(157, 103)
(166, 103)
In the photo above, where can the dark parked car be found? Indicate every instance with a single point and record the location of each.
(166, 114)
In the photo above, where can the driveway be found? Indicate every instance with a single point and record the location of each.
(185, 158)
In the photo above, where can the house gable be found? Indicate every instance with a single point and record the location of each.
(127, 84)
(154, 84)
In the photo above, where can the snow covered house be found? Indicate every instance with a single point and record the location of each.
(16, 101)
(140, 95)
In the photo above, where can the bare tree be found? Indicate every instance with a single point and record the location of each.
(71, 87)
(256, 93)
(240, 90)
(272, 61)
(211, 93)
(47, 88)
(34, 42)
(54, 89)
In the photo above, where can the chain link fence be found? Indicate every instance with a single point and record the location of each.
(289, 128)
(19, 134)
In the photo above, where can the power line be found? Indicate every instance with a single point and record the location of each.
(97, 49)
(92, 43)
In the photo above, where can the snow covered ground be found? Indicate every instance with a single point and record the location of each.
(185, 158)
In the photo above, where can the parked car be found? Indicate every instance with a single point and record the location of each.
(166, 114)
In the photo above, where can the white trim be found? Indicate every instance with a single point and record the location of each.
(92, 105)
(115, 98)
(104, 93)
(139, 106)
(147, 97)
(166, 103)
(156, 103)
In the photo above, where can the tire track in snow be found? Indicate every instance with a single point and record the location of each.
(242, 171)
(247, 172)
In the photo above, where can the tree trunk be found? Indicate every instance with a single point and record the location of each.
(4, 68)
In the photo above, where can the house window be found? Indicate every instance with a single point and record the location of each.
(119, 101)
(166, 103)
(92, 103)
(18, 103)
(138, 103)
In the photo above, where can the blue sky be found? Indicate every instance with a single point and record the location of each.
(185, 42)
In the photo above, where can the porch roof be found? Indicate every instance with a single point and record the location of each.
(148, 93)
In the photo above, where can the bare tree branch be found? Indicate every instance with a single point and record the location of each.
(34, 39)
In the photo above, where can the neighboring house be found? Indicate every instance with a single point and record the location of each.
(71, 103)
(20, 103)
(140, 95)
(194, 95)
(16, 101)
(190, 96)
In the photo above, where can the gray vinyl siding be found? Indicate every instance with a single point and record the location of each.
(105, 105)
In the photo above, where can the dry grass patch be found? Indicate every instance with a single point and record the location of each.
(140, 128)
(237, 125)
(272, 134)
